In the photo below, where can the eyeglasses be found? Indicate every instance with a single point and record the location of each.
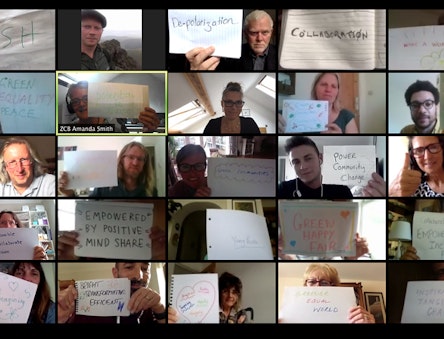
(200, 166)
(230, 103)
(76, 101)
(133, 157)
(14, 163)
(432, 148)
(415, 105)
(8, 223)
(256, 34)
(312, 282)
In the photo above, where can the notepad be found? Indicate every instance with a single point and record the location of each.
(103, 297)
(333, 39)
(195, 297)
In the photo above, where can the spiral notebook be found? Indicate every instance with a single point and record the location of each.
(195, 297)
(103, 297)
(345, 39)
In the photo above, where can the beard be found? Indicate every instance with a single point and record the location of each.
(137, 284)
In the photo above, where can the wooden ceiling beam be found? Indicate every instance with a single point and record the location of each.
(196, 82)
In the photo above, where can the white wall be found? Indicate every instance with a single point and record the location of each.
(399, 113)
(397, 148)
(372, 102)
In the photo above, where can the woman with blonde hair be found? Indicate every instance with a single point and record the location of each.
(340, 120)
(322, 274)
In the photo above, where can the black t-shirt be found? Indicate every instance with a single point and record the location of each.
(287, 190)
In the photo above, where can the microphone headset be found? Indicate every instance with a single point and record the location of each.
(80, 84)
(298, 192)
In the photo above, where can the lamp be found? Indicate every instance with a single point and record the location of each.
(400, 231)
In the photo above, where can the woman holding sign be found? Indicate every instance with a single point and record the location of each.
(322, 275)
(9, 219)
(340, 120)
(43, 308)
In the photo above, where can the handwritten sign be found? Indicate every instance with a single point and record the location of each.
(17, 296)
(319, 228)
(428, 235)
(195, 297)
(420, 48)
(103, 297)
(240, 177)
(237, 235)
(333, 39)
(18, 243)
(305, 115)
(202, 28)
(27, 39)
(348, 165)
(27, 102)
(304, 304)
(114, 229)
(115, 100)
(423, 302)
(91, 168)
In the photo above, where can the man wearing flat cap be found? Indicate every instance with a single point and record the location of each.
(93, 56)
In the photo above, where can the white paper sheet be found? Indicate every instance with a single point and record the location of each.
(203, 28)
(18, 243)
(91, 168)
(237, 235)
(114, 230)
(16, 299)
(304, 304)
(324, 229)
(195, 297)
(103, 297)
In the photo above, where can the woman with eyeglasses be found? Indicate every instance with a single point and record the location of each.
(322, 274)
(232, 123)
(422, 174)
(191, 161)
(9, 219)
(340, 120)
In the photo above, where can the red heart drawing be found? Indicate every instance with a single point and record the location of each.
(345, 214)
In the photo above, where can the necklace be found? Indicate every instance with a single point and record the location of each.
(230, 127)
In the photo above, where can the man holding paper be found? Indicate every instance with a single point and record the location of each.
(144, 304)
(135, 176)
(306, 159)
(256, 54)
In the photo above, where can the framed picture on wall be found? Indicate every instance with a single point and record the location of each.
(244, 205)
(374, 302)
